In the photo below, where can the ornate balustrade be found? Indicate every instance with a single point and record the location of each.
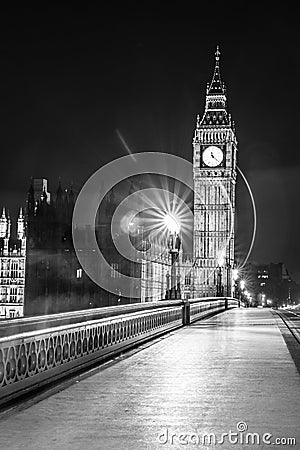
(200, 309)
(41, 350)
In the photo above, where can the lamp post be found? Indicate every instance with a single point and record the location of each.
(228, 283)
(174, 244)
(235, 276)
(248, 298)
(219, 282)
(242, 288)
(168, 287)
(219, 277)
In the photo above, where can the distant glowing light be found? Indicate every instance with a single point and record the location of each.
(235, 274)
(242, 284)
(172, 224)
(221, 260)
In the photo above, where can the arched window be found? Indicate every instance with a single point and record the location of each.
(14, 269)
(13, 294)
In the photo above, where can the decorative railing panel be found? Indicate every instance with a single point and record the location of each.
(27, 359)
(32, 359)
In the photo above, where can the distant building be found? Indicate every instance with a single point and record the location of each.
(40, 190)
(12, 267)
(271, 284)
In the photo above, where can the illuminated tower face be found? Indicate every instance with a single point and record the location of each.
(215, 152)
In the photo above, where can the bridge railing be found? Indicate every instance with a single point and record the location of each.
(37, 351)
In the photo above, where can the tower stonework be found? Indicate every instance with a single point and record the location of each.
(12, 267)
(214, 161)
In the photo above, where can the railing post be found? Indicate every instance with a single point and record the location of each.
(186, 313)
(226, 303)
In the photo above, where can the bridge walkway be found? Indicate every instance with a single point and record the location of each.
(232, 370)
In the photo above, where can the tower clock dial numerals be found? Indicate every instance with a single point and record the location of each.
(212, 156)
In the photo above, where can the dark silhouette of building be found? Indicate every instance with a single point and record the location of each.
(271, 284)
(55, 281)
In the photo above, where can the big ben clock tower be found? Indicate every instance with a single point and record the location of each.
(215, 153)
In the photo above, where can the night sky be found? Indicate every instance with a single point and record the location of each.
(70, 78)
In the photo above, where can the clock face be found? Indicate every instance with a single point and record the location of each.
(212, 156)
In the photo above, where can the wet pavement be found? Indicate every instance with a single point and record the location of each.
(230, 372)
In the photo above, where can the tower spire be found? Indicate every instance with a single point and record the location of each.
(59, 191)
(216, 86)
(215, 113)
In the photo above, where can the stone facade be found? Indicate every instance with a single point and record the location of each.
(12, 267)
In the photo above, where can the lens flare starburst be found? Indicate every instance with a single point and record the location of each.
(171, 223)
(166, 212)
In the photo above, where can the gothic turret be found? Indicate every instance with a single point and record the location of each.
(59, 192)
(59, 202)
(8, 225)
(21, 225)
(4, 229)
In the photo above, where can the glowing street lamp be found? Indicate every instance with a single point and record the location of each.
(172, 224)
(242, 284)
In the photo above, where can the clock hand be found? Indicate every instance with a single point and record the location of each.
(213, 156)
